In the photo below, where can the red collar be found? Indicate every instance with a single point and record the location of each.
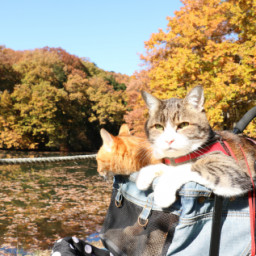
(216, 146)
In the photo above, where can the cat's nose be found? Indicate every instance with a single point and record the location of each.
(169, 142)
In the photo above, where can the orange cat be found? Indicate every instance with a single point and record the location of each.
(123, 154)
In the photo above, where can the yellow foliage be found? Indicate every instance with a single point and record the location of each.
(59, 100)
(108, 104)
(211, 43)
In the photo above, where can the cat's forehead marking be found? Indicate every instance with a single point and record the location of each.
(170, 110)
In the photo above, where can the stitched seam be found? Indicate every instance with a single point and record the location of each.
(209, 216)
(143, 204)
(194, 192)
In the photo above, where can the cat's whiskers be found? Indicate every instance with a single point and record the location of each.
(143, 154)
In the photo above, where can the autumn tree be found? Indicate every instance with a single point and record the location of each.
(38, 65)
(92, 68)
(72, 64)
(8, 76)
(107, 104)
(9, 137)
(211, 43)
(135, 115)
(31, 117)
(60, 101)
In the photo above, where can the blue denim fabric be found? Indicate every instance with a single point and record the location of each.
(194, 206)
(192, 235)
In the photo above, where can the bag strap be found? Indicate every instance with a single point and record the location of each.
(217, 211)
(251, 201)
(216, 226)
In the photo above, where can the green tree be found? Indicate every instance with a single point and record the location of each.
(117, 86)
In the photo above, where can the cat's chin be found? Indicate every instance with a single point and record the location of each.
(178, 152)
(174, 154)
(158, 154)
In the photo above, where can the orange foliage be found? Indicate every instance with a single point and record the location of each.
(136, 113)
(211, 43)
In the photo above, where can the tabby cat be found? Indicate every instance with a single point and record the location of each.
(123, 154)
(177, 127)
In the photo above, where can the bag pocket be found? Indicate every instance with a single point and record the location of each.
(135, 230)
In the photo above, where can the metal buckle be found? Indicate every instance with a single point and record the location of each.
(119, 198)
(146, 211)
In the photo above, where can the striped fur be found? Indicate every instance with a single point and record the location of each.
(176, 127)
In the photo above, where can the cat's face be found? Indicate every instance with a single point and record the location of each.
(176, 127)
(110, 146)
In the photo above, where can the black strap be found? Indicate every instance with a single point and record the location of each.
(216, 226)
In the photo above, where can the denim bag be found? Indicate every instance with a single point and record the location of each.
(136, 226)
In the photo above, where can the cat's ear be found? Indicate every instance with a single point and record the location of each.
(124, 130)
(151, 101)
(107, 139)
(195, 98)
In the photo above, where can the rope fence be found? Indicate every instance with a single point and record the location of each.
(55, 159)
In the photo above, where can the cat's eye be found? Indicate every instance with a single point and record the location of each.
(159, 127)
(183, 125)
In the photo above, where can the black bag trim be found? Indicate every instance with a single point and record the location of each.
(122, 235)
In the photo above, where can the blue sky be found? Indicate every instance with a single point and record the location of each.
(110, 33)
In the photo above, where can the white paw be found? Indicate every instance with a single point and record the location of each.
(145, 178)
(164, 195)
(169, 183)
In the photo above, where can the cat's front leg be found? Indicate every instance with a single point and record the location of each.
(170, 182)
(148, 174)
